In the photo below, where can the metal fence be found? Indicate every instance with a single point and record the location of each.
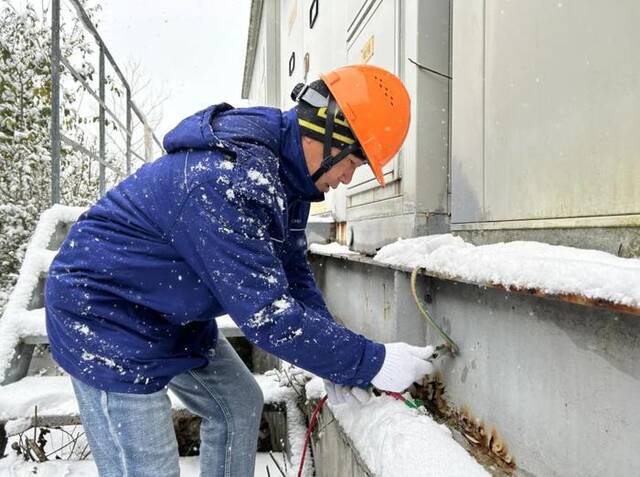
(132, 111)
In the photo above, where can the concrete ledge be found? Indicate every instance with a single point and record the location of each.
(574, 299)
(333, 452)
(557, 381)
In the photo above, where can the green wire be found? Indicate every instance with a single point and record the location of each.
(453, 347)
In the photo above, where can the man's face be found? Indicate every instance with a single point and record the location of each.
(341, 173)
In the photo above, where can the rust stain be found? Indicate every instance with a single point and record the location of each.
(572, 298)
(486, 444)
(386, 306)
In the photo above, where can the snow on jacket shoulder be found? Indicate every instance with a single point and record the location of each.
(215, 226)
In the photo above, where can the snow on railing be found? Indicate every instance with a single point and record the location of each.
(18, 320)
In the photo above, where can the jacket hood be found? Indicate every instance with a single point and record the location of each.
(248, 131)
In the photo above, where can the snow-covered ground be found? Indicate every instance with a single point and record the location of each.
(553, 269)
(54, 396)
(189, 467)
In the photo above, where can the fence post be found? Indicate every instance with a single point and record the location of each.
(102, 152)
(55, 102)
(129, 131)
(148, 145)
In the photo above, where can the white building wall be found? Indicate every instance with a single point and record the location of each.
(545, 113)
(535, 130)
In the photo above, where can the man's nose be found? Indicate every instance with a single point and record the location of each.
(348, 175)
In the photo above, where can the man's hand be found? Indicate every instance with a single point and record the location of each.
(403, 365)
(339, 394)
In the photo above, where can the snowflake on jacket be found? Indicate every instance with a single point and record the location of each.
(215, 226)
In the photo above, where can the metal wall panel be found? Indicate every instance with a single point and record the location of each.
(325, 42)
(376, 42)
(354, 11)
(545, 110)
(425, 153)
(264, 88)
(467, 112)
(292, 16)
(562, 109)
(325, 49)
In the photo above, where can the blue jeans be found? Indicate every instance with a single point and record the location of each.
(132, 434)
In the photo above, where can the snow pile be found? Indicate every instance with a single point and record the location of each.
(52, 394)
(273, 390)
(332, 248)
(17, 321)
(320, 219)
(553, 269)
(314, 389)
(394, 439)
(15, 427)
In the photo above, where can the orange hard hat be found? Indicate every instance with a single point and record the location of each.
(377, 107)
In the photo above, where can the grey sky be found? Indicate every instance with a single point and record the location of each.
(194, 49)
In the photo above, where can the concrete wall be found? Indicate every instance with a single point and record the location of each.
(333, 452)
(559, 382)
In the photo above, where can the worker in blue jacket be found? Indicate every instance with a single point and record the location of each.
(216, 226)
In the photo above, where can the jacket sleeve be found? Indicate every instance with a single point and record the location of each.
(302, 284)
(225, 239)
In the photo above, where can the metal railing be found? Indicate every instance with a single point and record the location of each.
(57, 136)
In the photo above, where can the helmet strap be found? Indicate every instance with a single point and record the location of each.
(328, 160)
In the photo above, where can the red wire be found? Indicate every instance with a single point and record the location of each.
(312, 424)
(395, 395)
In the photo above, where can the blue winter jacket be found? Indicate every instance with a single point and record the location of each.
(215, 226)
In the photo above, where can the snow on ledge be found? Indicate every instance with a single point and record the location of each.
(331, 248)
(319, 219)
(553, 269)
(394, 439)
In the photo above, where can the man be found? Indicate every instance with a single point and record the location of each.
(217, 226)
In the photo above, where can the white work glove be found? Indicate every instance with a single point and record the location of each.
(339, 394)
(403, 365)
